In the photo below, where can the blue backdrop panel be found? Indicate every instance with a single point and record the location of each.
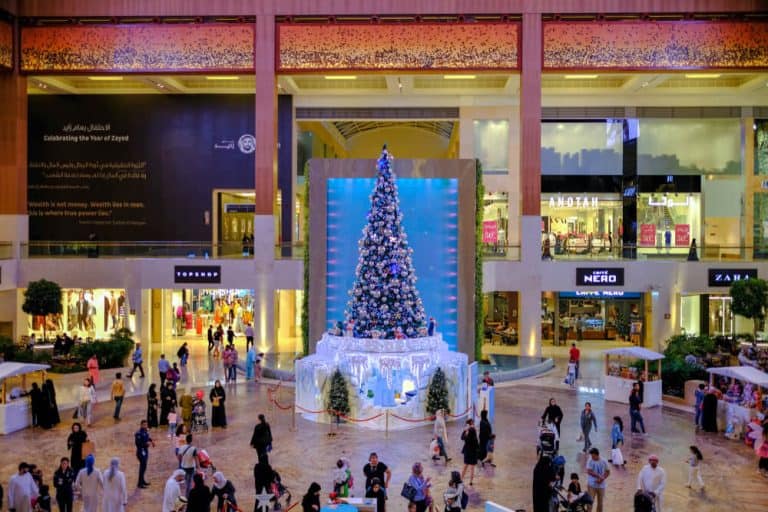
(430, 218)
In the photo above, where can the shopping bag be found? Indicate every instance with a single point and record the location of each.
(88, 449)
(617, 458)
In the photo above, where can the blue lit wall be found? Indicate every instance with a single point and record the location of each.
(430, 217)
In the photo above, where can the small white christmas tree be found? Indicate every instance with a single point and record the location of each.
(384, 298)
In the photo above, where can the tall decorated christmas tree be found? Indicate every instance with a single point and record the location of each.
(384, 298)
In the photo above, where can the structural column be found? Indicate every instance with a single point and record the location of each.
(530, 181)
(14, 224)
(266, 137)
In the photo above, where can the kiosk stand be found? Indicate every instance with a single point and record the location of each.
(620, 377)
(16, 414)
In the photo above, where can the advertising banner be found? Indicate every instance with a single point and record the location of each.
(682, 235)
(647, 235)
(490, 232)
(135, 167)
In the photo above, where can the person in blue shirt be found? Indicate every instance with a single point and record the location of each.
(163, 366)
(597, 471)
(422, 485)
(143, 441)
(699, 393)
(138, 360)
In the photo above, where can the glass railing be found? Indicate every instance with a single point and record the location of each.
(6, 250)
(290, 251)
(724, 253)
(501, 252)
(139, 249)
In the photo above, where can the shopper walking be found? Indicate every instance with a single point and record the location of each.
(88, 483)
(248, 335)
(163, 365)
(218, 405)
(634, 410)
(694, 467)
(587, 421)
(422, 486)
(63, 482)
(261, 440)
(87, 398)
(553, 415)
(376, 469)
(250, 362)
(75, 446)
(470, 450)
(153, 403)
(597, 472)
(115, 492)
(117, 394)
(617, 437)
(454, 495)
(210, 337)
(698, 407)
(143, 441)
(652, 480)
(440, 433)
(189, 461)
(22, 489)
(575, 356)
(543, 479)
(172, 491)
(138, 361)
(485, 434)
(200, 497)
(224, 490)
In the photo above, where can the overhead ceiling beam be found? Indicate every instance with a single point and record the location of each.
(56, 84)
(757, 84)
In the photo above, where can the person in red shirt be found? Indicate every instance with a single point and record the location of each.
(575, 354)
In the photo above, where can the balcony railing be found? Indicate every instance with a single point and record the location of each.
(6, 250)
(501, 252)
(631, 252)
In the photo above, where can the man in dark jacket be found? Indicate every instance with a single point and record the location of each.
(261, 440)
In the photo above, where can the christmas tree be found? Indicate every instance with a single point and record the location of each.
(384, 297)
(338, 395)
(437, 396)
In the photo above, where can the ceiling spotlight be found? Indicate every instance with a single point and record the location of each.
(581, 77)
(161, 86)
(341, 77)
(646, 84)
(222, 77)
(702, 75)
(105, 78)
(459, 77)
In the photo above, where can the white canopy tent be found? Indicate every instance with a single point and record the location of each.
(16, 414)
(617, 388)
(742, 373)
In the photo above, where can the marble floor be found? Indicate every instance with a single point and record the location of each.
(308, 454)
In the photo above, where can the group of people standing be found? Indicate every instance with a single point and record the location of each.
(45, 410)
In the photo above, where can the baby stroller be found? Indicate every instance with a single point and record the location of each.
(199, 419)
(644, 502)
(280, 492)
(560, 501)
(548, 443)
(206, 464)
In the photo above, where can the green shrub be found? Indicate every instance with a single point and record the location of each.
(8, 348)
(111, 353)
(674, 369)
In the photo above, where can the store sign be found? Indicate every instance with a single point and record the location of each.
(682, 235)
(727, 276)
(602, 294)
(599, 277)
(197, 274)
(490, 232)
(574, 202)
(647, 235)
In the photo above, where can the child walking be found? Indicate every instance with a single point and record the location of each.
(172, 423)
(694, 467)
(570, 378)
(617, 436)
(489, 449)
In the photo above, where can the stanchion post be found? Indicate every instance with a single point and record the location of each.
(293, 417)
(386, 424)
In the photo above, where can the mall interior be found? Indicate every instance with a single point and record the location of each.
(154, 157)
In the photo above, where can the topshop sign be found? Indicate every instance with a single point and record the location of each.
(727, 276)
(600, 276)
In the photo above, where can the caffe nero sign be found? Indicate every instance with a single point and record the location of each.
(599, 277)
(727, 276)
(197, 274)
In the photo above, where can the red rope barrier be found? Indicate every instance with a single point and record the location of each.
(462, 414)
(411, 420)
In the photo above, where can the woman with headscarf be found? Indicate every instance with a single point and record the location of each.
(200, 496)
(49, 401)
(485, 434)
(115, 493)
(152, 404)
(225, 492)
(186, 402)
(543, 476)
(93, 369)
(36, 404)
(263, 478)
(88, 483)
(709, 412)
(172, 491)
(167, 402)
(218, 410)
(311, 501)
(75, 445)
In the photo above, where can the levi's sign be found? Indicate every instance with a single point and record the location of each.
(600, 277)
(726, 276)
(197, 274)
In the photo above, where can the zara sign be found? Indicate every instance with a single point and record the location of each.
(600, 276)
(726, 276)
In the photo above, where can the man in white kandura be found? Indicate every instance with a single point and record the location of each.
(653, 479)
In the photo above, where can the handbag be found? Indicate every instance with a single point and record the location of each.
(88, 448)
(408, 492)
(216, 401)
(617, 458)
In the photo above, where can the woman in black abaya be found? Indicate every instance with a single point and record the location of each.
(543, 477)
(709, 413)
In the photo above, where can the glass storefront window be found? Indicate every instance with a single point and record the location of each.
(87, 313)
(491, 143)
(761, 147)
(581, 224)
(582, 147)
(760, 226)
(500, 325)
(689, 146)
(495, 223)
(667, 222)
